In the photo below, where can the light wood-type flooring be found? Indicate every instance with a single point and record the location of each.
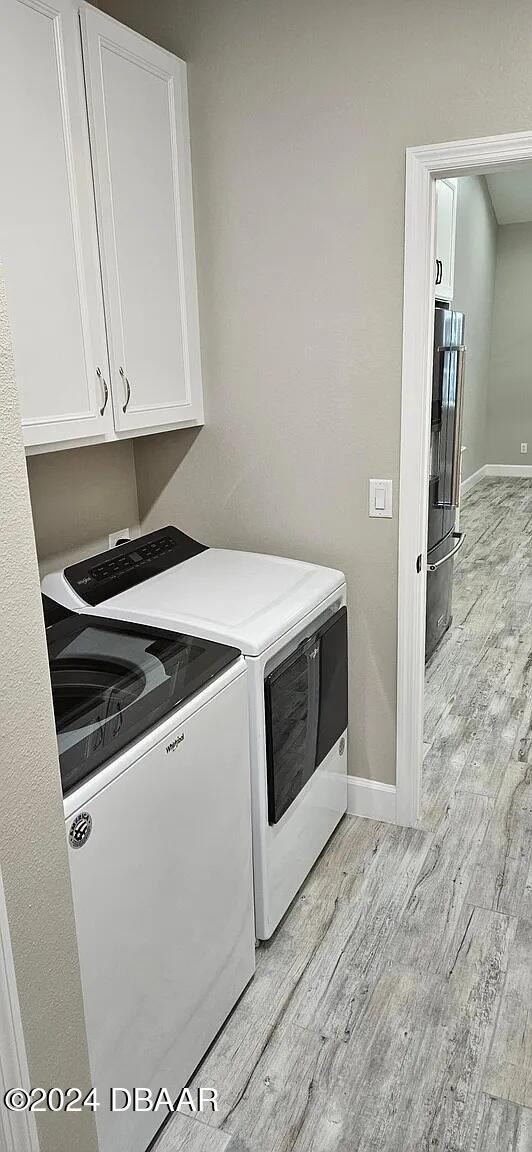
(392, 1010)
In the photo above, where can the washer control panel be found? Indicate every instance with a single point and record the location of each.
(100, 577)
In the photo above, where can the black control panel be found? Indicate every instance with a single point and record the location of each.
(100, 577)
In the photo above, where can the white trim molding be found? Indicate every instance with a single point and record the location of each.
(371, 799)
(423, 166)
(481, 474)
(472, 480)
(509, 470)
(18, 1131)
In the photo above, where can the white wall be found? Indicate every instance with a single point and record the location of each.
(300, 115)
(33, 852)
(510, 392)
(474, 282)
(78, 497)
(493, 286)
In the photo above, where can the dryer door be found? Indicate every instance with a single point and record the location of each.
(306, 711)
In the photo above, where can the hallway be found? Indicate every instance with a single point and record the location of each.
(478, 702)
(392, 1011)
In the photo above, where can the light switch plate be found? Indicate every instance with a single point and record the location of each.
(380, 498)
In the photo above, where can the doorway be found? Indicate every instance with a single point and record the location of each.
(425, 166)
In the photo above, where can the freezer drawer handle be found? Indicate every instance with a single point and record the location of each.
(460, 537)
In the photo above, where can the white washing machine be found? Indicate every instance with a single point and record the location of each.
(157, 811)
(290, 621)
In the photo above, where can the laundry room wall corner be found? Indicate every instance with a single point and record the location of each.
(33, 854)
(73, 511)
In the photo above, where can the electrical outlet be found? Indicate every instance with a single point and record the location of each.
(123, 534)
(524, 448)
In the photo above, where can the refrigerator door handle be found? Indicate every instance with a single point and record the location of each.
(457, 441)
(460, 537)
(451, 486)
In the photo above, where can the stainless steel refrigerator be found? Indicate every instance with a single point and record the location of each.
(444, 540)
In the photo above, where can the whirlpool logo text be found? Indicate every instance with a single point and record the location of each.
(171, 747)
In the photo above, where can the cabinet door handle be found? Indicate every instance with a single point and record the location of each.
(103, 383)
(439, 271)
(127, 388)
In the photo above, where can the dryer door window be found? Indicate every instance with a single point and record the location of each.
(292, 704)
(306, 711)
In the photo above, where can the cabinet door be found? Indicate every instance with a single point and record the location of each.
(48, 239)
(445, 234)
(138, 121)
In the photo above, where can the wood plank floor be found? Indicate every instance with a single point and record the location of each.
(392, 1010)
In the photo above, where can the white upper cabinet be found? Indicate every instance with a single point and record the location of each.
(445, 238)
(96, 227)
(48, 242)
(138, 122)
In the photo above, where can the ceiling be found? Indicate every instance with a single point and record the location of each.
(511, 195)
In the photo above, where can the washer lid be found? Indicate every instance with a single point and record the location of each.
(113, 680)
(241, 598)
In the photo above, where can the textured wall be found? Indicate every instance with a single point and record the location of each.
(300, 115)
(510, 393)
(474, 281)
(78, 497)
(33, 853)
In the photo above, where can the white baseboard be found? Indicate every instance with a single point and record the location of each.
(508, 470)
(473, 480)
(371, 799)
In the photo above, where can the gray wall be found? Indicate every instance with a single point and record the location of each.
(510, 393)
(300, 115)
(78, 497)
(33, 853)
(474, 280)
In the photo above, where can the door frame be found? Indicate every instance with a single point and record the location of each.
(423, 166)
(18, 1130)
